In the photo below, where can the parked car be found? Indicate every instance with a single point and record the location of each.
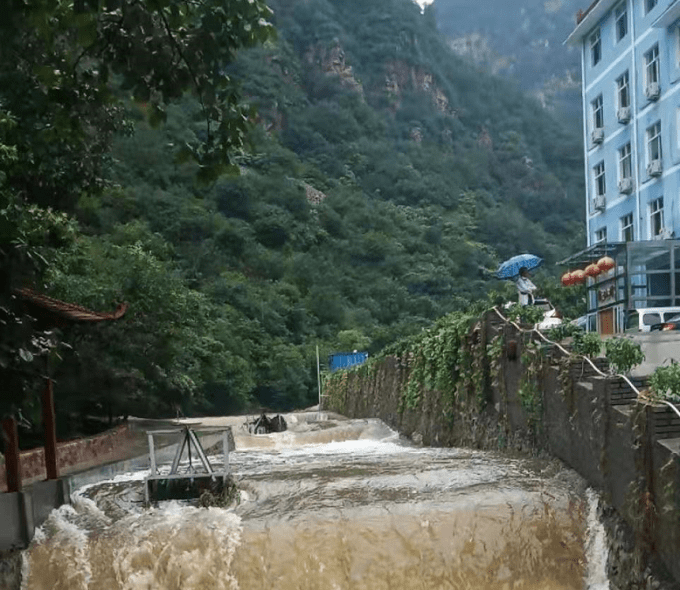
(642, 320)
(551, 317)
(672, 323)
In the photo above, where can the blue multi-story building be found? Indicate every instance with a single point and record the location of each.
(630, 51)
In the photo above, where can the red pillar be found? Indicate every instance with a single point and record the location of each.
(49, 425)
(12, 461)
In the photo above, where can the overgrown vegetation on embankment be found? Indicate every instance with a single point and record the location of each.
(487, 383)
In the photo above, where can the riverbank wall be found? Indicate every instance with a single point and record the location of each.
(516, 392)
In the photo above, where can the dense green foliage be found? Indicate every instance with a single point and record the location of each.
(623, 354)
(587, 344)
(383, 180)
(665, 382)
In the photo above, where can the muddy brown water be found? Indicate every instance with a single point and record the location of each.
(335, 504)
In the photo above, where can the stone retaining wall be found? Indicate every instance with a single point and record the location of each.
(627, 449)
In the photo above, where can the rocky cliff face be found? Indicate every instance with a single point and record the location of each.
(331, 60)
(400, 76)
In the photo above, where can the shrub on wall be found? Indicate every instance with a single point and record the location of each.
(623, 354)
(524, 314)
(665, 382)
(564, 330)
(588, 344)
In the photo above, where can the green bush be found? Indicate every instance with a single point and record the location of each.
(588, 344)
(623, 354)
(565, 330)
(525, 314)
(665, 382)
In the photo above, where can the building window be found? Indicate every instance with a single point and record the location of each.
(601, 235)
(598, 113)
(623, 91)
(650, 4)
(598, 176)
(654, 142)
(595, 47)
(652, 66)
(621, 17)
(656, 217)
(625, 162)
(627, 231)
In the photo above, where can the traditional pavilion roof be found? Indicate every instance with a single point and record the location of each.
(66, 311)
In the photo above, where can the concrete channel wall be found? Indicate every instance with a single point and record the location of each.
(23, 512)
(627, 449)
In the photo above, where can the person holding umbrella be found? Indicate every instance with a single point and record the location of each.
(517, 269)
(525, 287)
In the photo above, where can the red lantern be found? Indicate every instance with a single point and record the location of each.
(592, 270)
(577, 277)
(605, 263)
(567, 279)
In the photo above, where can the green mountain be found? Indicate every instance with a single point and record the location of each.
(385, 178)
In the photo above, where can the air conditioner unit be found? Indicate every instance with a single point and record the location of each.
(599, 203)
(652, 91)
(597, 136)
(626, 186)
(623, 114)
(664, 234)
(654, 168)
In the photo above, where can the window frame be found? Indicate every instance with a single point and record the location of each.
(621, 18)
(601, 235)
(627, 227)
(656, 216)
(652, 65)
(597, 109)
(650, 5)
(599, 179)
(623, 90)
(625, 161)
(595, 41)
(654, 135)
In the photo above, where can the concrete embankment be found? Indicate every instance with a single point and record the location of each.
(82, 462)
(525, 395)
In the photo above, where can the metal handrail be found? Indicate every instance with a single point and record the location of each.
(671, 406)
(564, 350)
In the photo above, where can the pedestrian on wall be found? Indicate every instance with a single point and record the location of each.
(525, 287)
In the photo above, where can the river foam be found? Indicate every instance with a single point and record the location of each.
(337, 505)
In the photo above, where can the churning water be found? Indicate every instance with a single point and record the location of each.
(335, 504)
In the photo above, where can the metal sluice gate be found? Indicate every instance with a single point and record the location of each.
(186, 481)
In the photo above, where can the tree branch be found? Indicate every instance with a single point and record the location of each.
(188, 65)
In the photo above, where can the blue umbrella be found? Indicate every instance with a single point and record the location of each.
(510, 268)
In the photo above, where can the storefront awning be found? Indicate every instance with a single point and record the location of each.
(594, 253)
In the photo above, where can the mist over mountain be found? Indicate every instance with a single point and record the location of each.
(523, 41)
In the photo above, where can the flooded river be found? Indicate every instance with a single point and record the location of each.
(335, 504)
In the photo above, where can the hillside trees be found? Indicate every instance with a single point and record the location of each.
(363, 210)
(66, 75)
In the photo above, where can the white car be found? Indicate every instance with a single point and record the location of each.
(551, 317)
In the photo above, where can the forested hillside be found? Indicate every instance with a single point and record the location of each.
(382, 179)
